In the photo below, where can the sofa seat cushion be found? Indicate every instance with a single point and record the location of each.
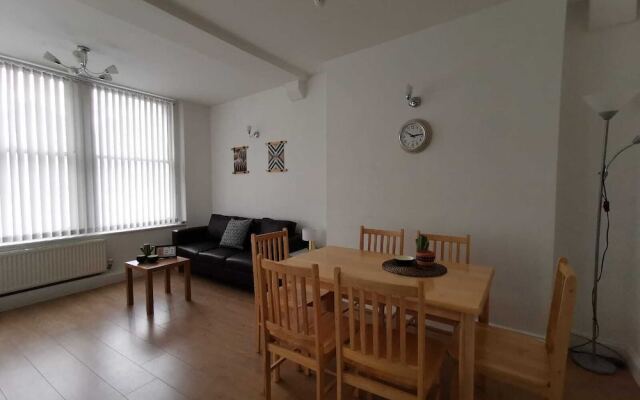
(192, 249)
(217, 255)
(240, 262)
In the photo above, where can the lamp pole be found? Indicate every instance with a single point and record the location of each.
(591, 361)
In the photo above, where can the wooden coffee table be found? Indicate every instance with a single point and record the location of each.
(165, 264)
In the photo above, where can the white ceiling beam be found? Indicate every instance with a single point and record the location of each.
(198, 35)
(609, 13)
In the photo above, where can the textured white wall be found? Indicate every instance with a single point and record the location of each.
(298, 194)
(491, 90)
(595, 62)
(194, 123)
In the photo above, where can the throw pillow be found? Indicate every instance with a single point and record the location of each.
(235, 233)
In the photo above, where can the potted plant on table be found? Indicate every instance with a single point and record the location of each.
(424, 256)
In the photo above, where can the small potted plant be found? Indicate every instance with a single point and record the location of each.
(424, 256)
(147, 253)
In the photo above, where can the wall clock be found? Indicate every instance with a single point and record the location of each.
(415, 135)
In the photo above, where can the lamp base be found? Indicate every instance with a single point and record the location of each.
(594, 363)
(312, 245)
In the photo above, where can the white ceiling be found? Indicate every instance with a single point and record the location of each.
(213, 51)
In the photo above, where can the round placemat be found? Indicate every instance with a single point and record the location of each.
(413, 269)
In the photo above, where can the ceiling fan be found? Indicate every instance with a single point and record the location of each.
(81, 53)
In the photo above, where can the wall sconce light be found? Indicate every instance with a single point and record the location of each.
(412, 101)
(255, 134)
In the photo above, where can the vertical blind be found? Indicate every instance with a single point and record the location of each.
(39, 188)
(79, 158)
(133, 161)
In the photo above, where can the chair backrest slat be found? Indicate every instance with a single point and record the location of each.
(283, 293)
(449, 248)
(561, 310)
(390, 354)
(382, 241)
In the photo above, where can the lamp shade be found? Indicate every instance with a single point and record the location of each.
(610, 101)
(308, 234)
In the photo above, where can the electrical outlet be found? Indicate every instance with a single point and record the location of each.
(109, 263)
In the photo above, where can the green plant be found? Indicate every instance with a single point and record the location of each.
(147, 249)
(422, 243)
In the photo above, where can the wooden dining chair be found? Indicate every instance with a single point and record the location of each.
(525, 361)
(374, 357)
(272, 246)
(455, 249)
(291, 329)
(382, 241)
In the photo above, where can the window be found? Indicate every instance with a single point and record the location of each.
(38, 164)
(77, 157)
(133, 162)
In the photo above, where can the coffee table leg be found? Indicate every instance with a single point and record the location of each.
(149, 287)
(167, 280)
(187, 280)
(129, 286)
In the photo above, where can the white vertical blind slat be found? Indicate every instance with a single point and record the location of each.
(78, 158)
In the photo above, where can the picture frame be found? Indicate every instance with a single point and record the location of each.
(166, 251)
(240, 160)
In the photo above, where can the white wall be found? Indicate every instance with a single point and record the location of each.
(194, 123)
(298, 194)
(491, 90)
(596, 61)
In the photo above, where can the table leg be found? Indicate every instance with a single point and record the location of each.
(167, 280)
(187, 280)
(149, 287)
(466, 364)
(129, 286)
(484, 317)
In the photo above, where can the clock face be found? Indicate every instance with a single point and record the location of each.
(415, 135)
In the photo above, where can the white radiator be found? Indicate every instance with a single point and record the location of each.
(39, 266)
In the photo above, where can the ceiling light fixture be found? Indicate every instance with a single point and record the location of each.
(81, 53)
(318, 3)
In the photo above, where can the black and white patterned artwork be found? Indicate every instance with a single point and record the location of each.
(240, 160)
(276, 156)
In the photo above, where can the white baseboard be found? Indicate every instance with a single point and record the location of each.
(63, 289)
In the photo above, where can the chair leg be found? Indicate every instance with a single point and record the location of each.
(258, 330)
(320, 382)
(266, 357)
(276, 371)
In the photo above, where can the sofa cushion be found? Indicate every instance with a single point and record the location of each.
(217, 226)
(269, 225)
(240, 262)
(217, 255)
(192, 249)
(236, 233)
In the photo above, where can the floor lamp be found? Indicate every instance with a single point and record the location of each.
(607, 107)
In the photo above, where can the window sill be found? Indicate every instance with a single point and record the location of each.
(76, 238)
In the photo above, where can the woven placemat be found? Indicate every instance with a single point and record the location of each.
(414, 269)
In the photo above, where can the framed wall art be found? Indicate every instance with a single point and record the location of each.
(276, 156)
(240, 160)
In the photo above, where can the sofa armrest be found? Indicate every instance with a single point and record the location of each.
(189, 235)
(296, 243)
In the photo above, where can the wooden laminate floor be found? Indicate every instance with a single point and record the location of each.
(90, 346)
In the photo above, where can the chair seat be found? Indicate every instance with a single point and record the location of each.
(327, 332)
(435, 349)
(501, 353)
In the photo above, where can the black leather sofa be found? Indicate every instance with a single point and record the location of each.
(201, 245)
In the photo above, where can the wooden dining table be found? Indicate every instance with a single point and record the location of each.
(461, 295)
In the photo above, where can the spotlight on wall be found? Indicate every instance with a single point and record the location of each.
(254, 134)
(411, 100)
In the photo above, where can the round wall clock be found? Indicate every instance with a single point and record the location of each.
(415, 135)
